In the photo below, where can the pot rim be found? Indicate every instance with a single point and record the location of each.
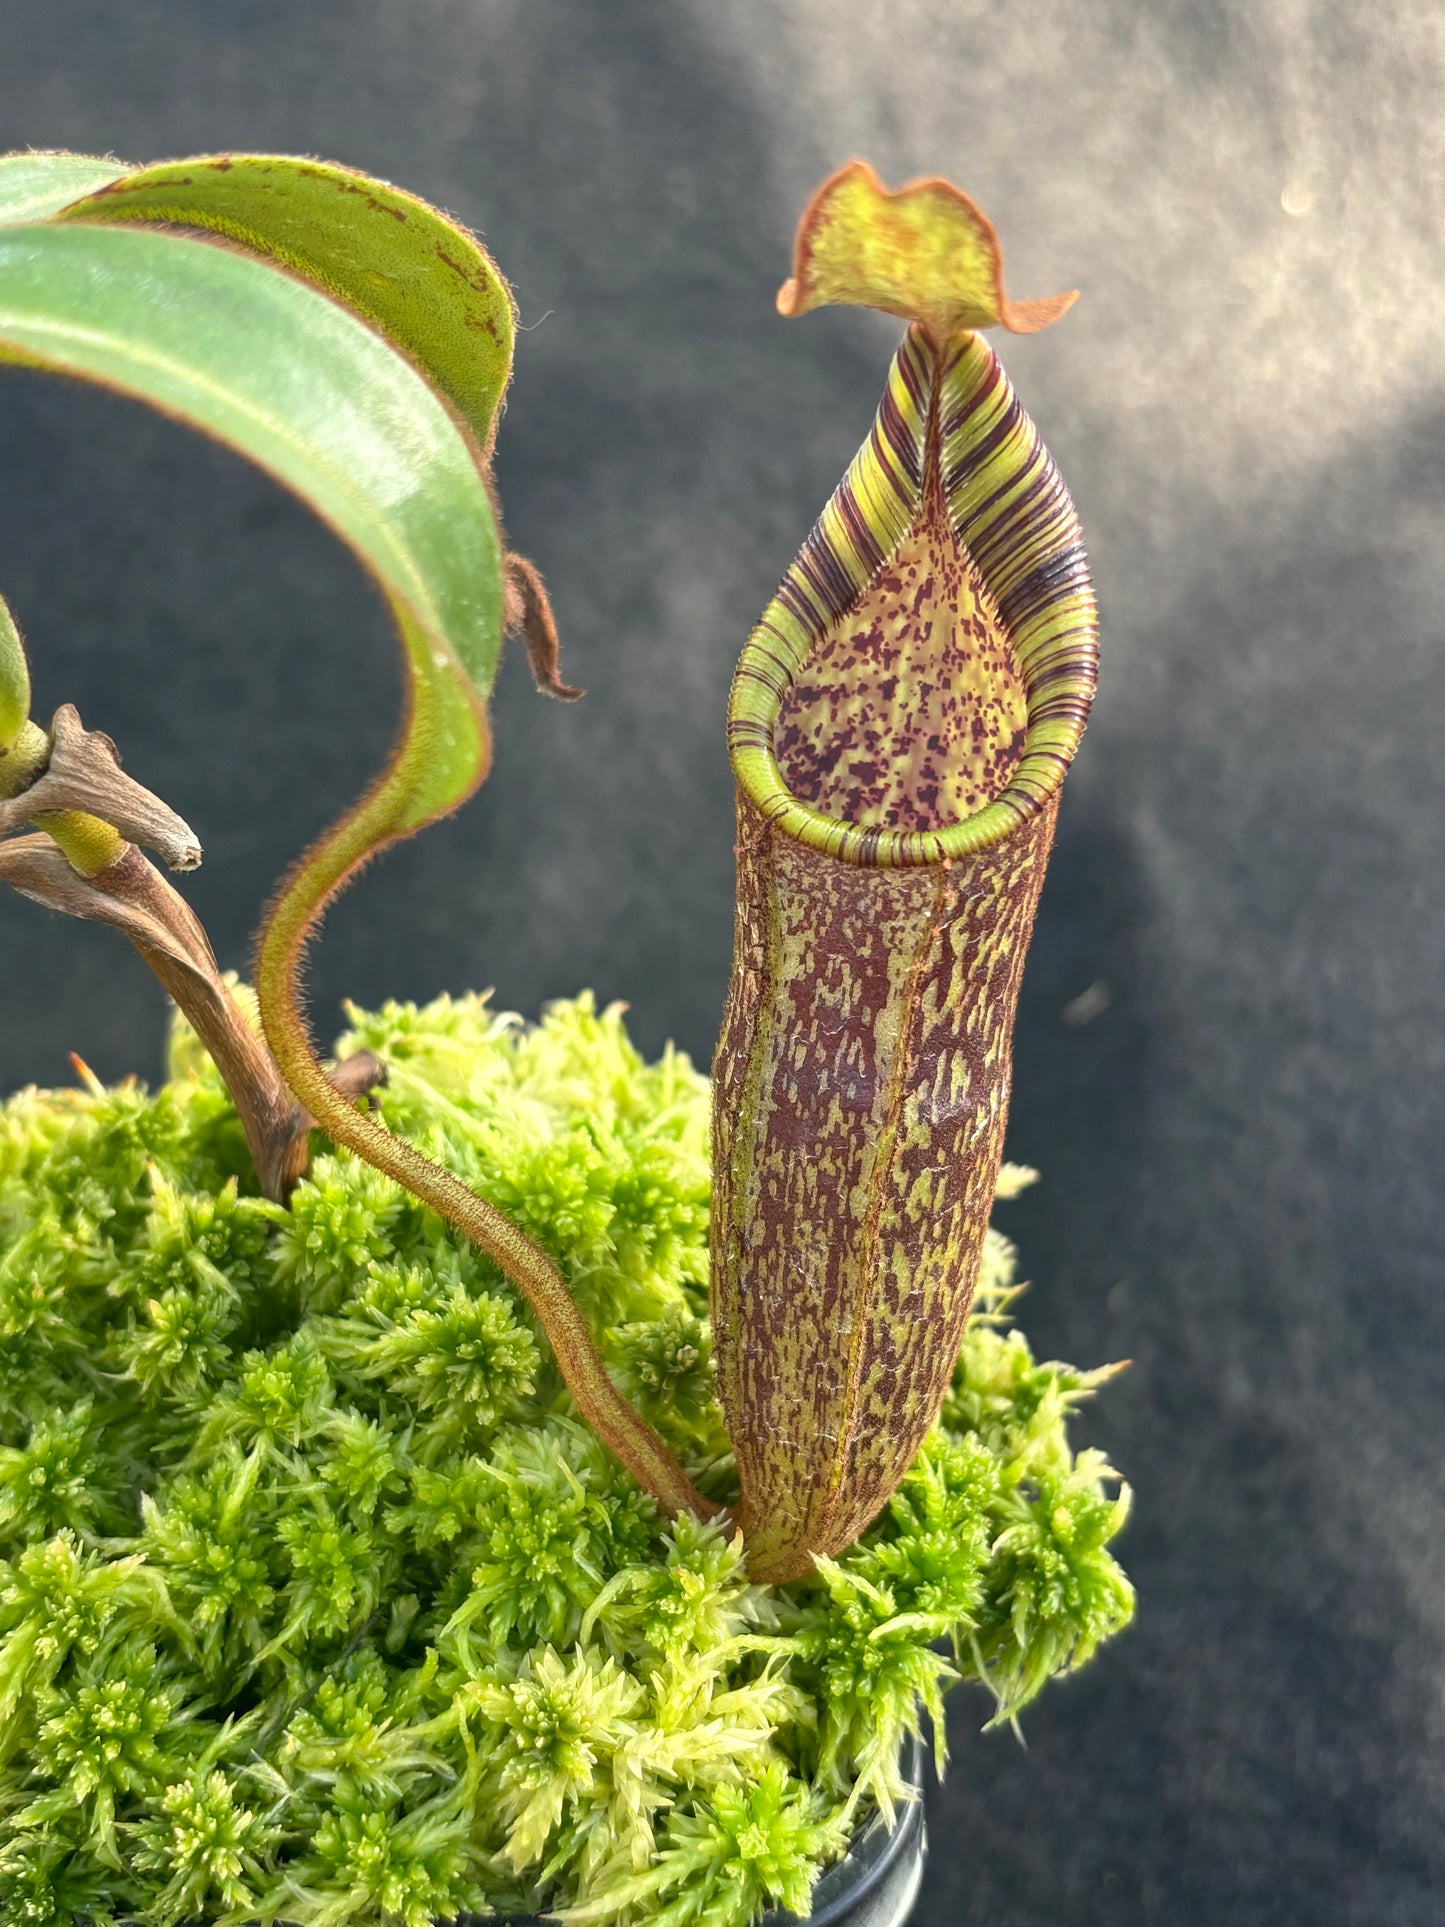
(849, 1893)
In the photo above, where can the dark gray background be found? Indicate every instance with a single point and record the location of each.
(1242, 1151)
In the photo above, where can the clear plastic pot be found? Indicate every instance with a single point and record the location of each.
(877, 1881)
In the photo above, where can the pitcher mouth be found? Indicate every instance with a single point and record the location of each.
(952, 459)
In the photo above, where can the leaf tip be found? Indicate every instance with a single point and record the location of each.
(528, 613)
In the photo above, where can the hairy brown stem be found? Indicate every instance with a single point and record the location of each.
(70, 785)
(79, 772)
(133, 897)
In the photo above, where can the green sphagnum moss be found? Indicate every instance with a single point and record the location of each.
(319, 1605)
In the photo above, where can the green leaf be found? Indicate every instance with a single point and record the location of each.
(417, 277)
(35, 186)
(14, 679)
(303, 388)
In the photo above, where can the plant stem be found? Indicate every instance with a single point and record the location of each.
(24, 760)
(131, 895)
(293, 917)
(70, 785)
(276, 1131)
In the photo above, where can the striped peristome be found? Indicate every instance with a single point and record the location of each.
(901, 721)
(1009, 510)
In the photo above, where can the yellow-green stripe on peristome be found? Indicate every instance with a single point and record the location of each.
(900, 724)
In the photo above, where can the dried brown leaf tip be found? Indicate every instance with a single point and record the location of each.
(925, 252)
(527, 612)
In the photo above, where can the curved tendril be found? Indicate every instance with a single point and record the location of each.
(320, 875)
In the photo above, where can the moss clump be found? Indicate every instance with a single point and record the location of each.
(317, 1602)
